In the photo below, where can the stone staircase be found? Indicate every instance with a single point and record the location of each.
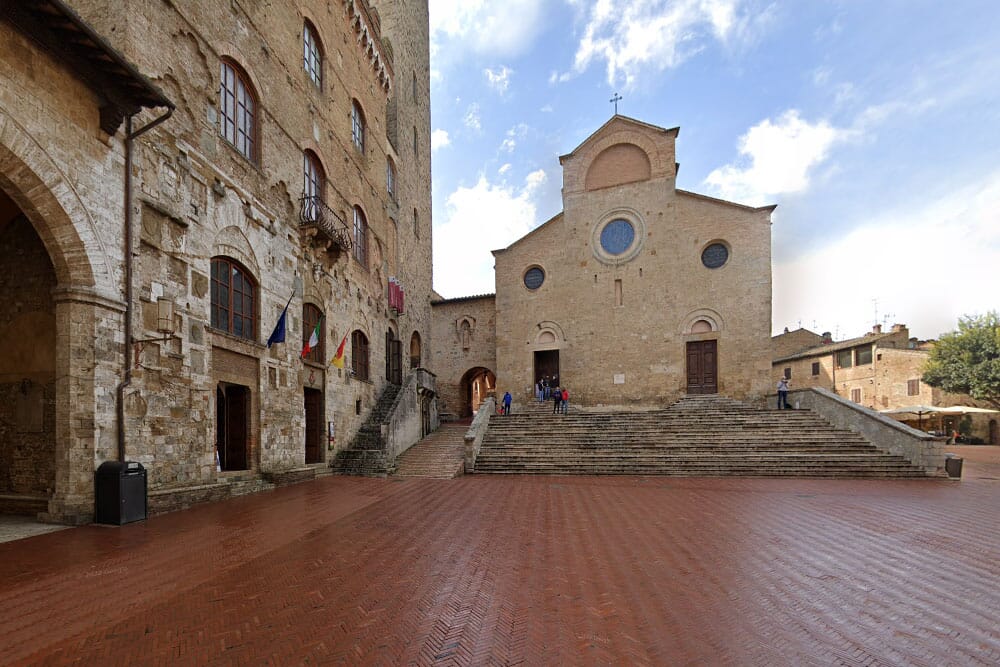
(366, 455)
(698, 436)
(439, 455)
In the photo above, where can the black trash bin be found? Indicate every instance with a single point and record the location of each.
(953, 465)
(120, 492)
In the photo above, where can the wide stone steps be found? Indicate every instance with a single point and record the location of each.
(440, 455)
(697, 436)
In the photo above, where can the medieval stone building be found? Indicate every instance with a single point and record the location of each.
(173, 178)
(635, 294)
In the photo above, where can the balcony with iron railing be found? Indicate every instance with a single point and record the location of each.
(322, 224)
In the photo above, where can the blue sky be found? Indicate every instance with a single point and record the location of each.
(874, 126)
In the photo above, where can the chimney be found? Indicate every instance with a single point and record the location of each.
(896, 328)
(827, 337)
(877, 329)
(786, 329)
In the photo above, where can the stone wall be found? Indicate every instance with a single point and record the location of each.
(196, 197)
(465, 339)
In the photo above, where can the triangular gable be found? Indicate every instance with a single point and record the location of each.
(544, 224)
(617, 119)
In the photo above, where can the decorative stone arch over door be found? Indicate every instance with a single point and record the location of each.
(700, 331)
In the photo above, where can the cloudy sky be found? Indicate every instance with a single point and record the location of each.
(874, 126)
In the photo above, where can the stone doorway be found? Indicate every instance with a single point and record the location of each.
(27, 365)
(393, 358)
(477, 384)
(232, 424)
(314, 425)
(702, 367)
(547, 365)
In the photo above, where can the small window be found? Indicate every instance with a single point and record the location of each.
(312, 55)
(856, 395)
(390, 177)
(359, 355)
(414, 91)
(416, 224)
(534, 277)
(788, 373)
(311, 318)
(415, 350)
(360, 236)
(913, 387)
(815, 368)
(233, 299)
(845, 358)
(238, 110)
(358, 127)
(414, 141)
(863, 355)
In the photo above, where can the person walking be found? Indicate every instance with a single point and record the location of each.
(783, 393)
(506, 402)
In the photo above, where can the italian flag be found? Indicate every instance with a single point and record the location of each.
(313, 341)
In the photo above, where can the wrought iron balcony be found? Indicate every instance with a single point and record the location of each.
(320, 220)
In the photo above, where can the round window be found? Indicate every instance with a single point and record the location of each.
(617, 236)
(534, 277)
(715, 255)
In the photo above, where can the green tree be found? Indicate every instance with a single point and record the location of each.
(967, 361)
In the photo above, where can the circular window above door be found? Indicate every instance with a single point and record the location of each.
(534, 277)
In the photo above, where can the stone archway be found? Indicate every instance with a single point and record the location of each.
(82, 311)
(475, 387)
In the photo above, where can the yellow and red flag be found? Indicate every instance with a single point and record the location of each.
(338, 359)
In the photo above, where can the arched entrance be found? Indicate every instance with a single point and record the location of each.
(27, 364)
(59, 326)
(415, 350)
(476, 386)
(393, 357)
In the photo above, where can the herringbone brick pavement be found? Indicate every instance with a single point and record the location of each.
(486, 570)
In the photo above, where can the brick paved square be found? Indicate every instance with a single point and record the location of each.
(524, 570)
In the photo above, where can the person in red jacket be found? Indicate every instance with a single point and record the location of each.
(565, 400)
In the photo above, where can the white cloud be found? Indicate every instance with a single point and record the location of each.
(519, 131)
(504, 168)
(547, 109)
(439, 139)
(500, 79)
(471, 119)
(927, 265)
(629, 35)
(504, 29)
(481, 218)
(777, 159)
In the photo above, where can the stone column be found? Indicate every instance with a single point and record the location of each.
(89, 339)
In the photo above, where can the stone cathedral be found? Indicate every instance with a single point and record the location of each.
(634, 294)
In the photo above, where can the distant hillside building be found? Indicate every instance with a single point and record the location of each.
(881, 371)
(635, 294)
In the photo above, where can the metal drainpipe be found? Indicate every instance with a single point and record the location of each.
(130, 137)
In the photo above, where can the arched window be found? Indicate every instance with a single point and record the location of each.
(311, 317)
(313, 177)
(238, 110)
(358, 126)
(234, 300)
(360, 236)
(312, 54)
(359, 355)
(415, 350)
(390, 177)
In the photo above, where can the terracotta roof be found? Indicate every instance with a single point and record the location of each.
(834, 347)
(458, 299)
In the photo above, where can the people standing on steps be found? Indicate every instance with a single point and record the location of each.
(506, 402)
(556, 399)
(565, 400)
(538, 390)
(545, 387)
(783, 393)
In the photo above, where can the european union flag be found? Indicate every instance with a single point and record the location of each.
(278, 335)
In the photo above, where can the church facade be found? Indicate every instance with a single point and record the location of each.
(635, 294)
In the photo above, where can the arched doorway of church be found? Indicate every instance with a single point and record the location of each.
(547, 367)
(27, 364)
(476, 386)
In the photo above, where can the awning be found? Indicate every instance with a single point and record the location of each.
(965, 410)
